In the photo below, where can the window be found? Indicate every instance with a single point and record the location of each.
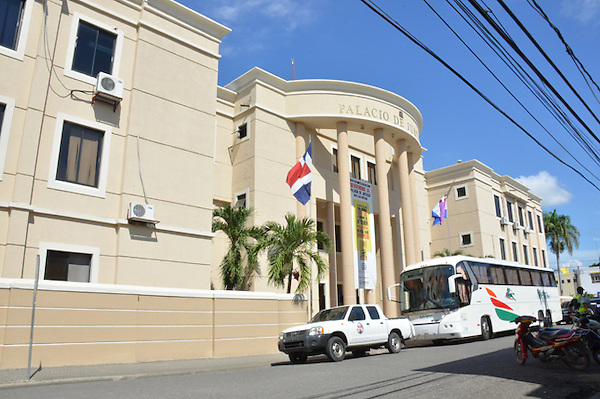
(481, 271)
(372, 173)
(497, 205)
(544, 258)
(357, 313)
(243, 131)
(515, 250)
(67, 266)
(535, 257)
(595, 277)
(64, 262)
(334, 159)
(338, 238)
(525, 255)
(530, 217)
(80, 156)
(512, 276)
(539, 220)
(502, 249)
(461, 192)
(497, 275)
(465, 240)
(525, 277)
(536, 278)
(373, 312)
(521, 221)
(340, 294)
(93, 47)
(240, 201)
(320, 228)
(15, 16)
(355, 166)
(7, 106)
(509, 211)
(10, 23)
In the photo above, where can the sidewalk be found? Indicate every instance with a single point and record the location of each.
(53, 375)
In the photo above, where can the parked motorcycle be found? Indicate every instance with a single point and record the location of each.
(591, 338)
(550, 344)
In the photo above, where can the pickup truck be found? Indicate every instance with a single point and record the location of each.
(357, 328)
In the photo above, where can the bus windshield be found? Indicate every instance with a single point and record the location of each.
(426, 288)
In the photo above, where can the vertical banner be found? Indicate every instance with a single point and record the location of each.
(363, 228)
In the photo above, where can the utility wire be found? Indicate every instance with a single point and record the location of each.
(586, 75)
(402, 30)
(501, 83)
(556, 69)
(516, 48)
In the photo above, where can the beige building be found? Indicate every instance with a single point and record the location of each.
(116, 144)
(489, 214)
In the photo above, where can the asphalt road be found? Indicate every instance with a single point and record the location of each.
(459, 370)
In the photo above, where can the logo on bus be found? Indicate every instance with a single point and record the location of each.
(503, 311)
(510, 295)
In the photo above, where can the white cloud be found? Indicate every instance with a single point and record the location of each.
(582, 10)
(546, 186)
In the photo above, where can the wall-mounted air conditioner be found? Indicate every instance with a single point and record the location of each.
(141, 212)
(504, 221)
(516, 226)
(527, 230)
(109, 87)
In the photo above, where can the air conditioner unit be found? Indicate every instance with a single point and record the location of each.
(527, 230)
(504, 221)
(516, 226)
(109, 87)
(141, 212)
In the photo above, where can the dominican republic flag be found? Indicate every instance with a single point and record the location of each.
(440, 212)
(300, 176)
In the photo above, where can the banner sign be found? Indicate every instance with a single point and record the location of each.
(363, 228)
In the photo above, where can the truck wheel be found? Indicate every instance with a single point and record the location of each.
(335, 349)
(394, 343)
(298, 357)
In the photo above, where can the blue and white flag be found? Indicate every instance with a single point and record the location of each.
(300, 177)
(440, 211)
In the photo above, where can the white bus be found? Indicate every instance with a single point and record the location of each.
(461, 296)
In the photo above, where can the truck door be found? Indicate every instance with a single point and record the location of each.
(358, 329)
(377, 325)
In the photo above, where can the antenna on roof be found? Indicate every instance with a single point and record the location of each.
(293, 70)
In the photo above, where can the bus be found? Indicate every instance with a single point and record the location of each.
(461, 296)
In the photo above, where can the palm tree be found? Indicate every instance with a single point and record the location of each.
(561, 235)
(240, 263)
(291, 248)
(446, 252)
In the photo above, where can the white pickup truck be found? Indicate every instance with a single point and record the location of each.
(355, 327)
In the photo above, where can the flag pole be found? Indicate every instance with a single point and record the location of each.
(310, 217)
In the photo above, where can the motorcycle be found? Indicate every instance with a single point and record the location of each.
(591, 338)
(550, 344)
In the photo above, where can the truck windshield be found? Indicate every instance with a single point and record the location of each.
(330, 314)
(426, 288)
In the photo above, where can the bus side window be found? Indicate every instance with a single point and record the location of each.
(497, 274)
(536, 278)
(525, 277)
(512, 276)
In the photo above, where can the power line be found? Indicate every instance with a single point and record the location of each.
(402, 30)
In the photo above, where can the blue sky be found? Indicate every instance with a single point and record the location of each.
(344, 40)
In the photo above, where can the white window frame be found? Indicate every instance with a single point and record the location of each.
(53, 182)
(333, 157)
(239, 139)
(361, 162)
(460, 236)
(236, 197)
(9, 109)
(464, 196)
(71, 48)
(80, 249)
(19, 52)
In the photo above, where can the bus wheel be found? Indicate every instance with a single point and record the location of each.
(486, 328)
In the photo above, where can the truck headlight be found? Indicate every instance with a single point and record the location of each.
(315, 331)
(280, 336)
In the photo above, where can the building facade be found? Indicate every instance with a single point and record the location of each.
(489, 214)
(116, 144)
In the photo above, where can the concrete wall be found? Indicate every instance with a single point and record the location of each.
(83, 324)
